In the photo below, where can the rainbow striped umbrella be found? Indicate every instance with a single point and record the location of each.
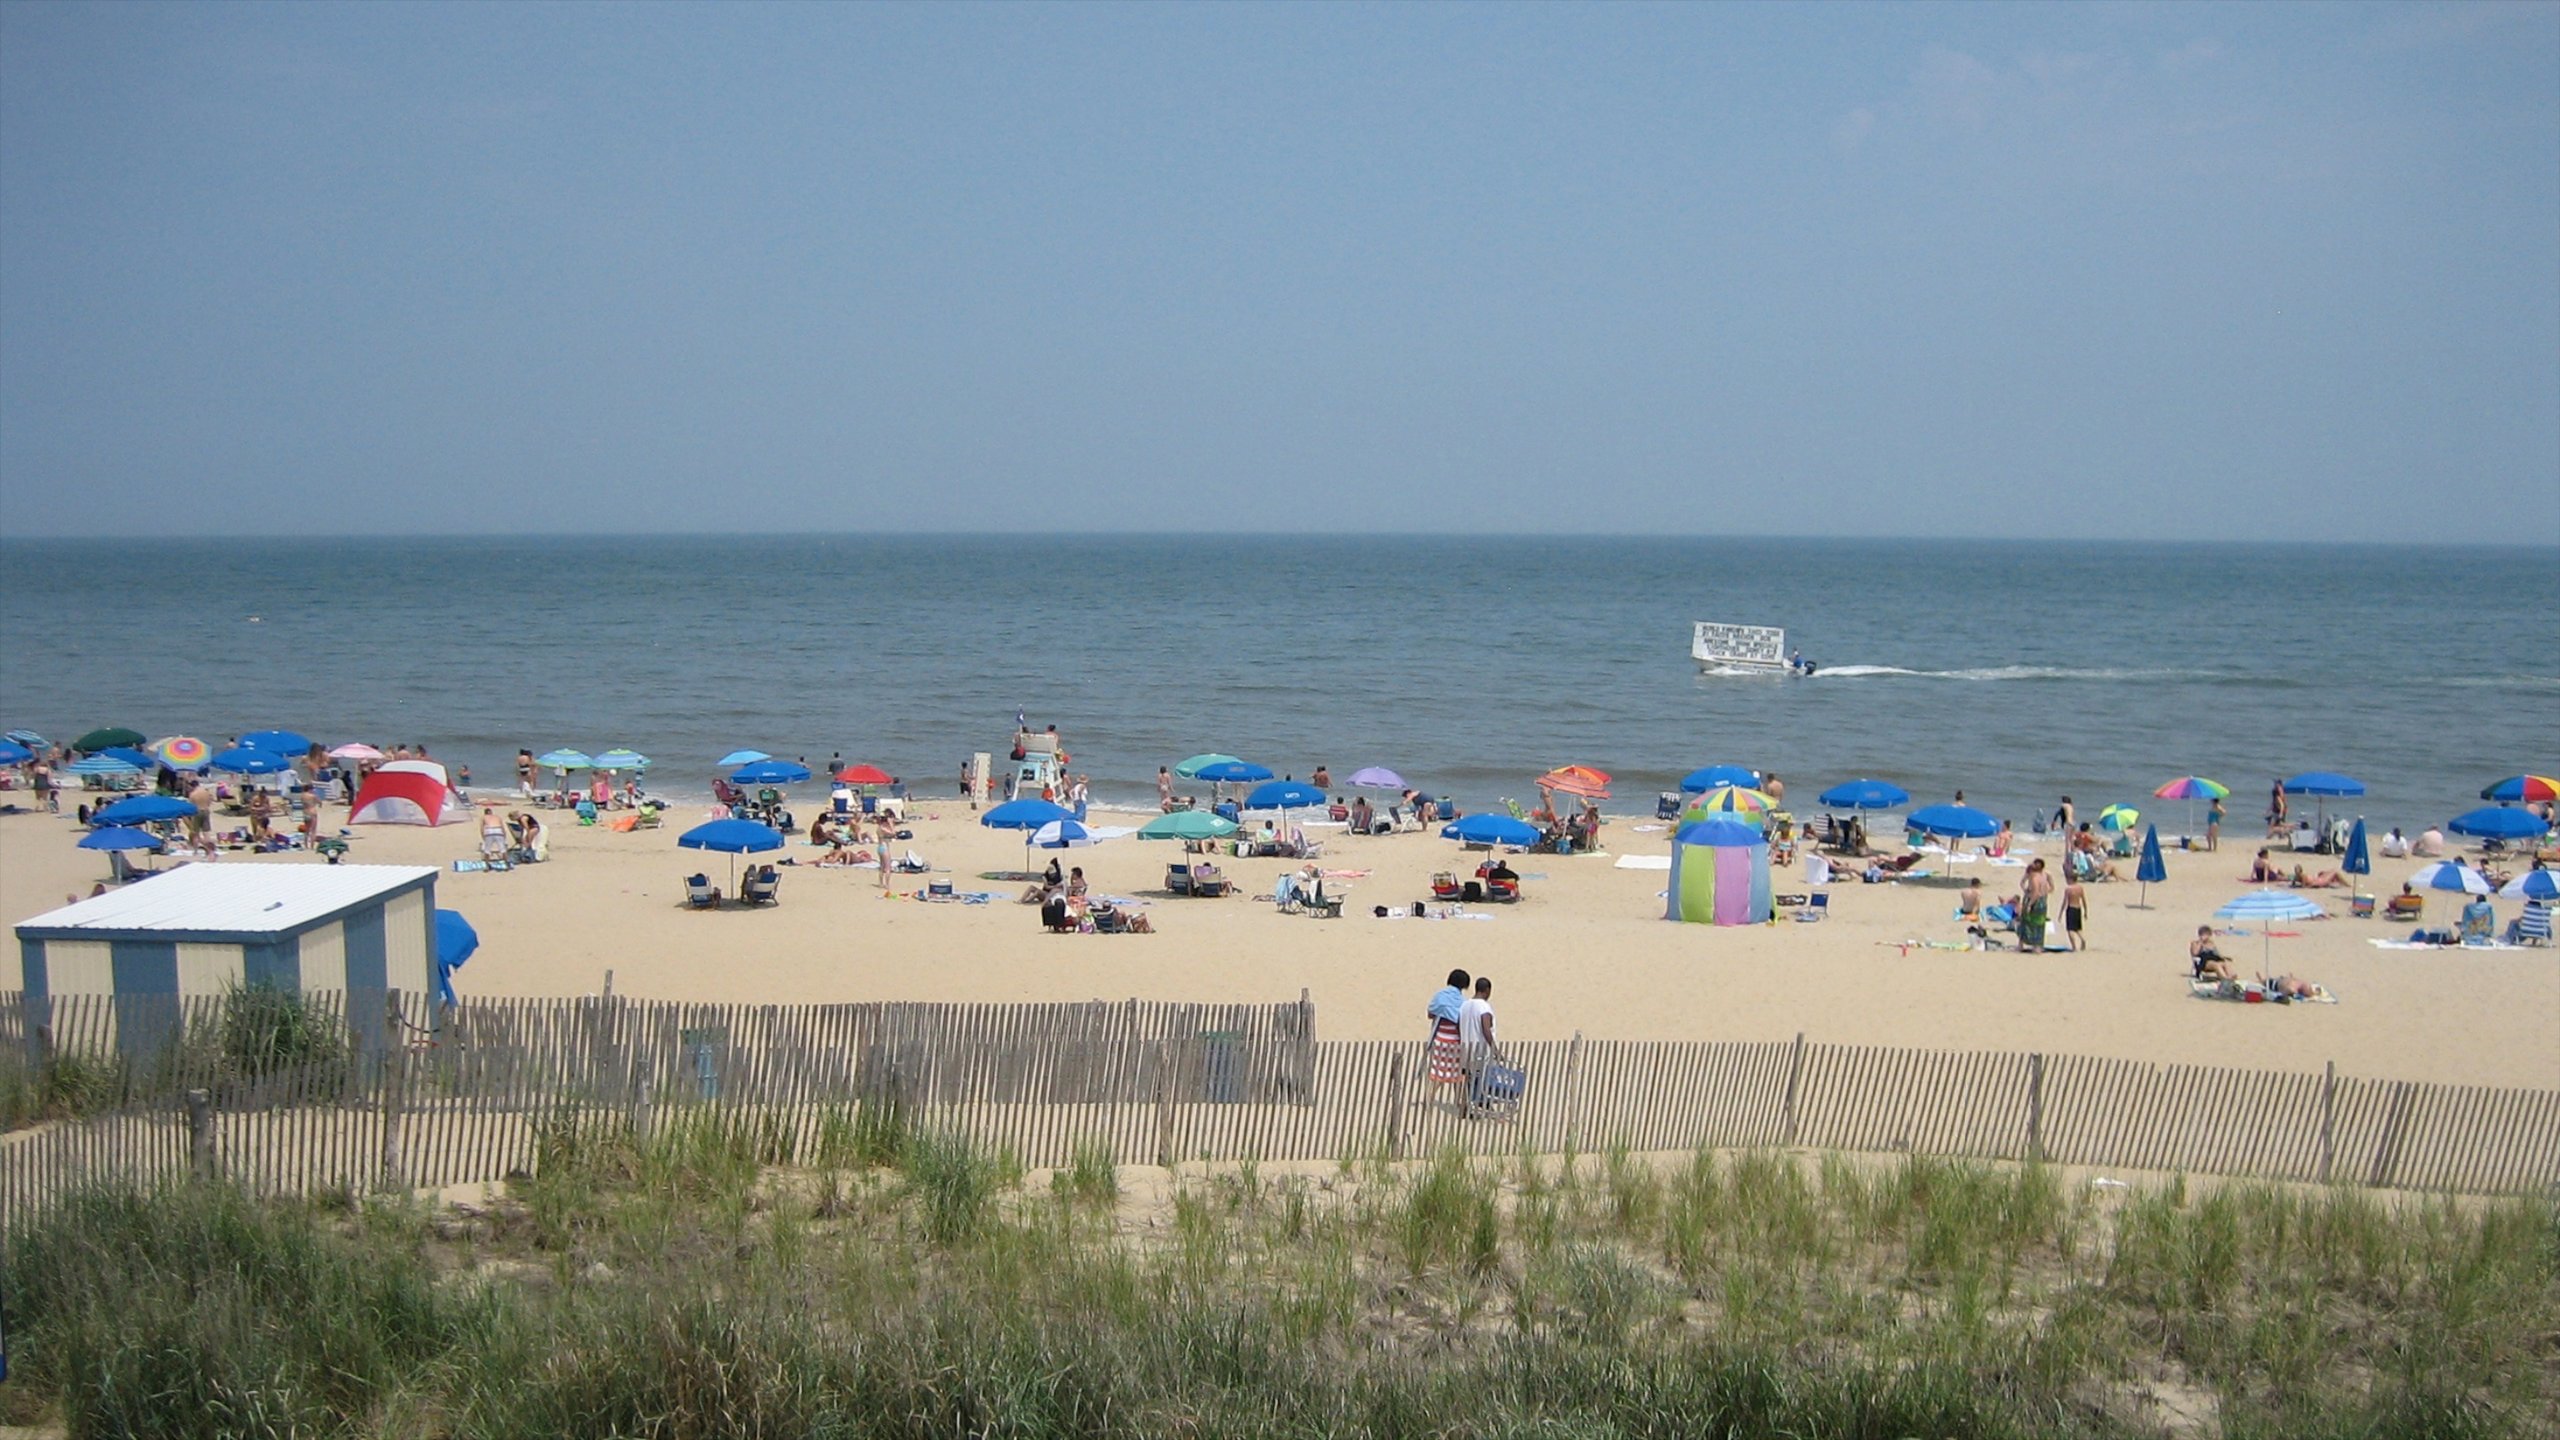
(2523, 787)
(2192, 788)
(1730, 802)
(184, 752)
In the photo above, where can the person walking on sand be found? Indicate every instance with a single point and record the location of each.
(2276, 828)
(2035, 895)
(2075, 915)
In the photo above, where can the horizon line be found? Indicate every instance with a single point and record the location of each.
(1404, 536)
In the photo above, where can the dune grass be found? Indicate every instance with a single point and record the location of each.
(904, 1283)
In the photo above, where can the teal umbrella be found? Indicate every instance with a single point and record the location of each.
(566, 760)
(1187, 825)
(1190, 769)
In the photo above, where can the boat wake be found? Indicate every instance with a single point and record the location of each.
(2013, 672)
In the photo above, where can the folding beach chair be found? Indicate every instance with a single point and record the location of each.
(700, 893)
(763, 887)
(1817, 908)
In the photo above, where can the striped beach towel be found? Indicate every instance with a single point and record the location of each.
(1448, 1065)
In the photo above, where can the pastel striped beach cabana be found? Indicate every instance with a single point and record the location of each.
(1719, 874)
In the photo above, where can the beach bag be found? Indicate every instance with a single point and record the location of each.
(1448, 1066)
(1504, 1084)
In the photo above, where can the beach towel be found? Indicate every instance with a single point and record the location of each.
(2380, 944)
(1446, 1003)
(1448, 1065)
(1644, 862)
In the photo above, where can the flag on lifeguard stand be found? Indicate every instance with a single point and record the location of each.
(2152, 868)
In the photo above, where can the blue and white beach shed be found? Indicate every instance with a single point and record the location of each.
(204, 929)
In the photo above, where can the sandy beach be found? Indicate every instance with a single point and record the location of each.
(1586, 950)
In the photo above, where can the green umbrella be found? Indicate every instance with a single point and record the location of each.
(112, 735)
(1187, 825)
(1190, 769)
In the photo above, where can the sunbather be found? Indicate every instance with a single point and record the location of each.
(2303, 879)
(2264, 871)
(2207, 959)
(2292, 987)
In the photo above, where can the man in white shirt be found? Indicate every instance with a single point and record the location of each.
(2395, 845)
(1475, 1031)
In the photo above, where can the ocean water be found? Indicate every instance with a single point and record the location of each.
(2016, 673)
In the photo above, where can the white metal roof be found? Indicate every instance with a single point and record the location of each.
(231, 897)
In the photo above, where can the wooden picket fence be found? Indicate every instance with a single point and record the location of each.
(413, 1097)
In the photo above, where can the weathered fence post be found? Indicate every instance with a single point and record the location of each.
(200, 1134)
(2386, 1157)
(1306, 1047)
(1573, 1094)
(2035, 1107)
(643, 1101)
(2328, 1121)
(1164, 1104)
(1395, 1106)
(1795, 1077)
(395, 1066)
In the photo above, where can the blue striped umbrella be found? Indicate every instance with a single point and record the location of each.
(622, 759)
(2267, 907)
(102, 765)
(566, 760)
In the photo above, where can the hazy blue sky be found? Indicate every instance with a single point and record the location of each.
(2073, 270)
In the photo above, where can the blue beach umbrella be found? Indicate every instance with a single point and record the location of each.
(2267, 907)
(565, 760)
(144, 810)
(245, 760)
(732, 838)
(102, 765)
(1954, 822)
(2497, 822)
(1866, 795)
(277, 742)
(1029, 813)
(622, 759)
(770, 772)
(13, 753)
(1232, 772)
(2323, 786)
(1026, 815)
(1489, 828)
(28, 738)
(455, 943)
(1717, 777)
(1190, 769)
(120, 837)
(2359, 857)
(1283, 795)
(2151, 869)
(138, 759)
(742, 757)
